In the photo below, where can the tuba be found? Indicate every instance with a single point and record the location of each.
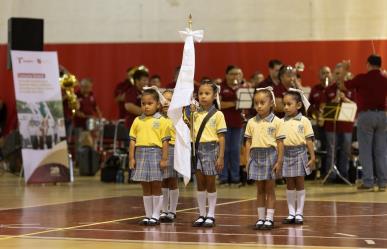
(68, 82)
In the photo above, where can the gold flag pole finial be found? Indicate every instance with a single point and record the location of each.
(190, 22)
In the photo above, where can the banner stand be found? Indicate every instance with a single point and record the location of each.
(40, 113)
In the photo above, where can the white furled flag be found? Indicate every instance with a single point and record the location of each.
(182, 97)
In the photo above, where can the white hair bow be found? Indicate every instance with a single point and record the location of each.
(304, 100)
(270, 89)
(163, 100)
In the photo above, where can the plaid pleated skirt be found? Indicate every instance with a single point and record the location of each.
(147, 164)
(207, 155)
(170, 171)
(260, 165)
(295, 161)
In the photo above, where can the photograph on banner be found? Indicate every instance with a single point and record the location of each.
(41, 124)
(40, 113)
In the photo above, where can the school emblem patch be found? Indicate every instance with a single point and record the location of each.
(271, 131)
(156, 124)
(300, 128)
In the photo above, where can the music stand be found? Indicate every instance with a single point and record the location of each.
(331, 112)
(245, 98)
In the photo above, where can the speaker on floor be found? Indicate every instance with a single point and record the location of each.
(24, 34)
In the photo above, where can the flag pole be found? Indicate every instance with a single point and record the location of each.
(191, 112)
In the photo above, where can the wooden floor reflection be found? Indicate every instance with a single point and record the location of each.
(89, 214)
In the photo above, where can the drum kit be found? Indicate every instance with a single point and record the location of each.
(93, 124)
(95, 127)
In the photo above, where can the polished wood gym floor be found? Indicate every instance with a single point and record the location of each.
(91, 214)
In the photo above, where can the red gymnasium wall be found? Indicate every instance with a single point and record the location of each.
(106, 63)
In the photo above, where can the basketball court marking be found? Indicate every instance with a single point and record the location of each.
(346, 234)
(370, 242)
(206, 230)
(165, 229)
(109, 221)
(248, 244)
(61, 203)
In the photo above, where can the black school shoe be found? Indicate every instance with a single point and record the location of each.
(170, 217)
(268, 225)
(259, 224)
(164, 217)
(199, 221)
(153, 222)
(299, 219)
(144, 222)
(209, 222)
(291, 219)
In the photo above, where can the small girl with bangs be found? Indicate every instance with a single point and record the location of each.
(299, 141)
(264, 151)
(148, 153)
(210, 153)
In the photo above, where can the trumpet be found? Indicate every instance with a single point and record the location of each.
(140, 67)
(68, 82)
(299, 66)
(134, 69)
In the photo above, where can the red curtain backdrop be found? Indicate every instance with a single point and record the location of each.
(106, 64)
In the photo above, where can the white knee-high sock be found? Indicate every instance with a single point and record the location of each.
(173, 199)
(202, 196)
(148, 205)
(270, 214)
(291, 198)
(165, 192)
(300, 201)
(157, 202)
(261, 213)
(211, 204)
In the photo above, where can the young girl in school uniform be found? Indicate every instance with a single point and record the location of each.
(169, 187)
(210, 153)
(298, 141)
(264, 149)
(148, 153)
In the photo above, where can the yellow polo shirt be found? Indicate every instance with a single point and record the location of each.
(150, 130)
(172, 131)
(297, 129)
(265, 132)
(215, 125)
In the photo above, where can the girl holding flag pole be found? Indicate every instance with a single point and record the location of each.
(209, 128)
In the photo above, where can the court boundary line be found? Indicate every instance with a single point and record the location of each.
(354, 237)
(61, 203)
(109, 221)
(249, 244)
(31, 235)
